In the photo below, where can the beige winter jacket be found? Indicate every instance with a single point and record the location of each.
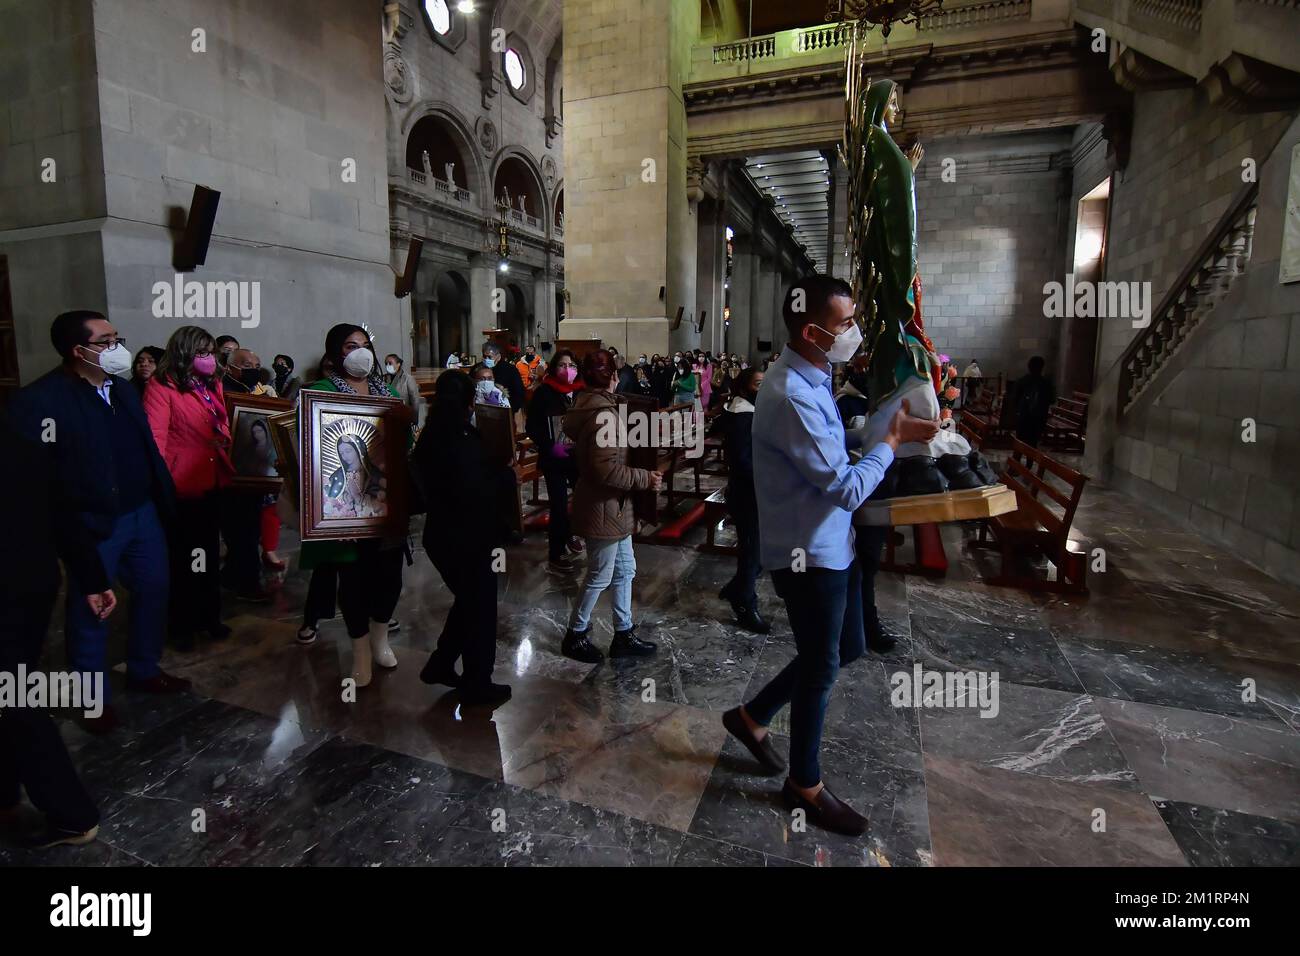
(602, 502)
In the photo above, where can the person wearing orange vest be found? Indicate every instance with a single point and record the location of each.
(527, 365)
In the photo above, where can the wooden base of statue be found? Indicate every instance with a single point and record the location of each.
(968, 505)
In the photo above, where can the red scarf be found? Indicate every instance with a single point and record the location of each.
(561, 386)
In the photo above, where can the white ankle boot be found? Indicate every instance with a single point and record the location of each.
(361, 660)
(383, 654)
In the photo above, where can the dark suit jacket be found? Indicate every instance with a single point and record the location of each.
(81, 456)
(507, 376)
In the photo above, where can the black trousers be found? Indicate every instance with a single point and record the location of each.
(370, 586)
(742, 587)
(32, 753)
(322, 595)
(241, 526)
(194, 603)
(869, 542)
(471, 629)
(557, 477)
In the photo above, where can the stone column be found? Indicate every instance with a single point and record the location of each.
(543, 309)
(628, 229)
(710, 273)
(744, 265)
(779, 335)
(482, 288)
(762, 310)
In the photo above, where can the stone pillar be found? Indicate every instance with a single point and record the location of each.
(762, 308)
(482, 288)
(710, 273)
(543, 310)
(628, 229)
(743, 266)
(779, 334)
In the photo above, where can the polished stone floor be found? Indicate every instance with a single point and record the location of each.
(1155, 722)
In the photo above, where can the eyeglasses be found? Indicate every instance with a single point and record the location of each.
(111, 343)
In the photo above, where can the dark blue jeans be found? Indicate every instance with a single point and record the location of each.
(741, 588)
(135, 555)
(825, 611)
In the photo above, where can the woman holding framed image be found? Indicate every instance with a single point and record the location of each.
(354, 432)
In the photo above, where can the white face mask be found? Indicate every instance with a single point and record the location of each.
(116, 360)
(487, 392)
(845, 345)
(359, 362)
(391, 368)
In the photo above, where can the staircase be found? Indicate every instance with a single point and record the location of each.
(1207, 277)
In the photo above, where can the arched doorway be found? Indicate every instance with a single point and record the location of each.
(431, 134)
(515, 318)
(514, 180)
(450, 321)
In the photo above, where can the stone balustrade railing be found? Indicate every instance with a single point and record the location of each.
(753, 48)
(1185, 14)
(835, 35)
(975, 15)
(1211, 271)
(448, 192)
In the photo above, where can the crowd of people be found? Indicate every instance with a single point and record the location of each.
(139, 497)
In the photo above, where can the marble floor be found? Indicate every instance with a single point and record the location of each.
(1155, 722)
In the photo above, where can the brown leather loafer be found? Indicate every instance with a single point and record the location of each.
(826, 811)
(762, 750)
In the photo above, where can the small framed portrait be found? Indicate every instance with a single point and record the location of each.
(252, 448)
(353, 466)
(284, 435)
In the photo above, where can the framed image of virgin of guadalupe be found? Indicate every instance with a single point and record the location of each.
(352, 476)
(253, 451)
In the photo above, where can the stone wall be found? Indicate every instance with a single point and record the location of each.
(267, 114)
(989, 241)
(1184, 453)
(49, 110)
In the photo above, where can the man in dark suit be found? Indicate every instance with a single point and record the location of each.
(108, 473)
(32, 753)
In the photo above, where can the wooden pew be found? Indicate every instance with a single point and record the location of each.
(1047, 494)
(1067, 423)
(715, 510)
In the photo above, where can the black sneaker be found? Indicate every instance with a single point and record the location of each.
(307, 635)
(880, 639)
(751, 620)
(627, 644)
(394, 626)
(489, 695)
(577, 645)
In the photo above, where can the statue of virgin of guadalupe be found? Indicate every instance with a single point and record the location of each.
(904, 365)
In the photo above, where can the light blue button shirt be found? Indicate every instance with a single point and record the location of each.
(807, 487)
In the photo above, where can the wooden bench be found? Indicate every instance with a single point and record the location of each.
(1067, 422)
(1037, 528)
(715, 511)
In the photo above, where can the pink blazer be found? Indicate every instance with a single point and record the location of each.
(197, 456)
